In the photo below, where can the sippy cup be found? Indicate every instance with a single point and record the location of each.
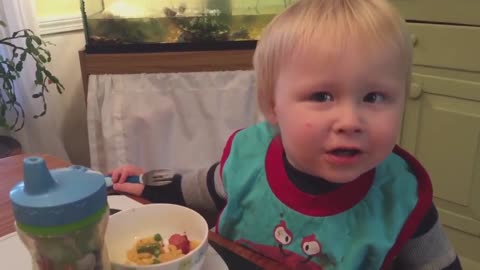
(61, 216)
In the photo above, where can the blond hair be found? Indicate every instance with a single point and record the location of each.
(375, 22)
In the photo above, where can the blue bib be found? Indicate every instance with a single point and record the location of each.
(355, 227)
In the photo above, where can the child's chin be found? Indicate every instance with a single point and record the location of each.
(342, 178)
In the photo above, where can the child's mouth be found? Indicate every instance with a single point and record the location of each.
(344, 156)
(344, 152)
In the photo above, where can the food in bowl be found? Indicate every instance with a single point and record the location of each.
(127, 226)
(153, 250)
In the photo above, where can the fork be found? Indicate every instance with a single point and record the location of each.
(158, 177)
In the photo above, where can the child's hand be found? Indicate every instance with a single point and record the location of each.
(119, 176)
(134, 189)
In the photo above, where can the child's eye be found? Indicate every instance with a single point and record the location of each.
(374, 97)
(321, 97)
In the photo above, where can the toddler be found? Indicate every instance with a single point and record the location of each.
(321, 183)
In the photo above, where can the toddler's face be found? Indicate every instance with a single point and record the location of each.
(339, 111)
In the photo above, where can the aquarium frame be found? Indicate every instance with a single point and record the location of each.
(171, 47)
(163, 62)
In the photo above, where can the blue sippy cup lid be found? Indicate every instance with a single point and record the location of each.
(52, 198)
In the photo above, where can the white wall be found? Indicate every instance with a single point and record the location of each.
(60, 23)
(66, 66)
(48, 8)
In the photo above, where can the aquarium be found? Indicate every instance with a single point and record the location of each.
(173, 25)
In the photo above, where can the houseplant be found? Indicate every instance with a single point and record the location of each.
(23, 44)
(14, 51)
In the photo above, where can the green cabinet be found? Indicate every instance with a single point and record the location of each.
(441, 127)
(443, 11)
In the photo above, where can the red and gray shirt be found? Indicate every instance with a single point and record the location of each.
(426, 247)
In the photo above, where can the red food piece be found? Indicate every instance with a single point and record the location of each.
(181, 242)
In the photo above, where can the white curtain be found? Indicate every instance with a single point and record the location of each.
(40, 135)
(166, 120)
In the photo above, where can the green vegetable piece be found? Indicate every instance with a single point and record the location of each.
(157, 237)
(148, 248)
(156, 261)
(156, 252)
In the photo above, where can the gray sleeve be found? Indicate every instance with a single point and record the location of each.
(430, 251)
(203, 189)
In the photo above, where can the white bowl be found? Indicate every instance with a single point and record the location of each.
(125, 227)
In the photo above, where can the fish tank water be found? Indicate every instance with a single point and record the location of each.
(175, 25)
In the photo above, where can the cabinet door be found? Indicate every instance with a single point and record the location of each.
(443, 11)
(441, 127)
(446, 46)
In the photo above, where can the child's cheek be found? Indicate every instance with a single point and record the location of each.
(306, 130)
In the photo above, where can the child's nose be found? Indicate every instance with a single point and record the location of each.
(348, 121)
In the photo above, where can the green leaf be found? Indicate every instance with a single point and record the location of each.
(16, 33)
(10, 64)
(23, 56)
(33, 51)
(30, 47)
(38, 76)
(19, 66)
(29, 43)
(37, 40)
(60, 88)
(42, 58)
(54, 79)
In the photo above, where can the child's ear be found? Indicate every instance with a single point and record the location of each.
(271, 115)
